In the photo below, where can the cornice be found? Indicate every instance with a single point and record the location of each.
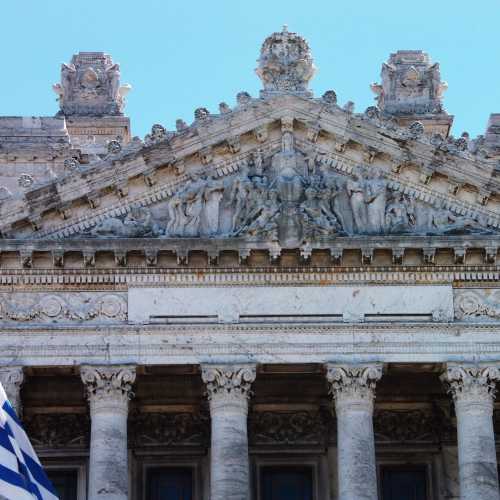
(120, 279)
(213, 248)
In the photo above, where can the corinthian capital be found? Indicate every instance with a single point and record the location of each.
(353, 384)
(108, 384)
(471, 383)
(12, 378)
(228, 381)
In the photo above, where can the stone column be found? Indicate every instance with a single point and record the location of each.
(12, 378)
(353, 391)
(473, 391)
(109, 389)
(228, 391)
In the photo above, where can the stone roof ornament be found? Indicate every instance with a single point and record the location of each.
(90, 86)
(285, 64)
(411, 85)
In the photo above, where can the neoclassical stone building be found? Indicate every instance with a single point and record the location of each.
(285, 299)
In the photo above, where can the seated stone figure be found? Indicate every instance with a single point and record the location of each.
(316, 215)
(399, 216)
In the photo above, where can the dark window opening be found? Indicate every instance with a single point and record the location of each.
(169, 483)
(404, 483)
(65, 483)
(286, 483)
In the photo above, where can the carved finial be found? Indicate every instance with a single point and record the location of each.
(201, 114)
(243, 98)
(285, 64)
(180, 125)
(224, 108)
(285, 28)
(90, 86)
(158, 134)
(411, 85)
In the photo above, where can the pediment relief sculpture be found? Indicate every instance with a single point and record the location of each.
(289, 197)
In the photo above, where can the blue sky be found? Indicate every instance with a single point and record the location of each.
(179, 55)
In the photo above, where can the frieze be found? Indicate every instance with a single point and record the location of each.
(169, 429)
(58, 430)
(290, 428)
(63, 307)
(413, 425)
(477, 304)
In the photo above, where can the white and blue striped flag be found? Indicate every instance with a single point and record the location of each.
(21, 475)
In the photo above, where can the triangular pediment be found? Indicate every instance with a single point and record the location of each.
(285, 160)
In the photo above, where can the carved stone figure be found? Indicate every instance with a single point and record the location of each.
(399, 216)
(113, 74)
(286, 166)
(285, 63)
(158, 134)
(444, 221)
(376, 200)
(194, 201)
(239, 195)
(265, 219)
(317, 217)
(136, 224)
(212, 196)
(356, 191)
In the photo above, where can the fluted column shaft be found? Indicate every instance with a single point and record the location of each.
(473, 392)
(12, 378)
(353, 391)
(228, 391)
(109, 389)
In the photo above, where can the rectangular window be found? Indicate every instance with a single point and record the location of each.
(169, 483)
(65, 482)
(286, 483)
(404, 483)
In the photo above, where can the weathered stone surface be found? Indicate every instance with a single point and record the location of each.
(347, 303)
(90, 85)
(353, 391)
(472, 388)
(63, 307)
(109, 389)
(285, 63)
(12, 378)
(228, 390)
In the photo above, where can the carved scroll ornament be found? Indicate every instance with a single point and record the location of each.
(477, 304)
(77, 307)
